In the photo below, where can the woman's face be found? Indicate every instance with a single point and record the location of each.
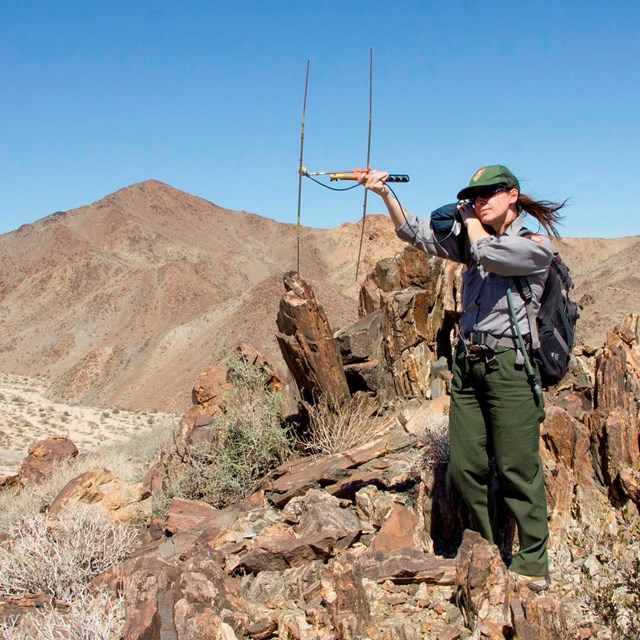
(496, 210)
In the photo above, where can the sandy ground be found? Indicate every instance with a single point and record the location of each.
(27, 415)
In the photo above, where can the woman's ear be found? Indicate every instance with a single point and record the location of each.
(514, 194)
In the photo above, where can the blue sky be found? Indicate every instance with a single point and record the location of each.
(207, 97)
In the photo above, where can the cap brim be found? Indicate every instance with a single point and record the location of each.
(466, 193)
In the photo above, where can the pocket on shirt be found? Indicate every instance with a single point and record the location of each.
(495, 292)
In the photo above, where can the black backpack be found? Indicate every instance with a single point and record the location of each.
(555, 322)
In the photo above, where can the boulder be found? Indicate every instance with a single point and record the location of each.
(44, 457)
(127, 503)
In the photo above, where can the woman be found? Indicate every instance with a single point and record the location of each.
(494, 409)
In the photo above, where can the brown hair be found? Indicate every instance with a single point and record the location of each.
(544, 211)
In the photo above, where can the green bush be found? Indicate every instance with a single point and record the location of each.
(249, 440)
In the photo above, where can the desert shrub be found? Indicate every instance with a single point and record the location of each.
(436, 441)
(338, 427)
(617, 600)
(60, 558)
(96, 616)
(249, 440)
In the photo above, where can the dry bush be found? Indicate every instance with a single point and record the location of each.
(338, 427)
(249, 440)
(434, 442)
(60, 558)
(97, 616)
(616, 599)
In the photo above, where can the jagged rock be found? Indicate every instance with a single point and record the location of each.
(407, 565)
(295, 478)
(307, 344)
(524, 629)
(484, 586)
(361, 341)
(186, 515)
(373, 505)
(547, 615)
(576, 399)
(418, 300)
(180, 599)
(569, 442)
(323, 528)
(43, 457)
(324, 520)
(630, 482)
(346, 600)
(362, 376)
(399, 530)
(210, 388)
(121, 501)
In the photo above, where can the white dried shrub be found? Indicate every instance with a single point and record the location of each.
(61, 556)
(434, 442)
(98, 616)
(338, 427)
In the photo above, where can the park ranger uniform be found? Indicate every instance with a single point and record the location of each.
(494, 411)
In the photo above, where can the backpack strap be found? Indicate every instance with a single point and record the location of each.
(524, 289)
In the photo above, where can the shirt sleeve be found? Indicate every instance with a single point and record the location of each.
(421, 234)
(514, 255)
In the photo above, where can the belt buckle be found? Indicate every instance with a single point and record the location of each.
(475, 352)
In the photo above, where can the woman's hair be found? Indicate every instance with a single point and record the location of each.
(544, 211)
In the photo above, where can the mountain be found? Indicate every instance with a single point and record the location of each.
(124, 301)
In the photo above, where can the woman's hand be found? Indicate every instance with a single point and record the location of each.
(374, 181)
(466, 211)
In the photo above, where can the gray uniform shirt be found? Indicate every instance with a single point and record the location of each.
(491, 263)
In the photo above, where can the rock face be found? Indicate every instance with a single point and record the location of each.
(402, 345)
(307, 344)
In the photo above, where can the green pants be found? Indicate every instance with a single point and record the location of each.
(494, 413)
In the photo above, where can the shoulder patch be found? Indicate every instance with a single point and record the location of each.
(535, 238)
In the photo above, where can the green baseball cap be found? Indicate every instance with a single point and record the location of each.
(487, 176)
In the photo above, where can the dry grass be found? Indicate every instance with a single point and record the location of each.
(338, 427)
(128, 460)
(98, 616)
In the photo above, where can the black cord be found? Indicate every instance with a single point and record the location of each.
(326, 186)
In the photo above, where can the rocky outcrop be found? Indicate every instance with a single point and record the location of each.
(122, 501)
(307, 344)
(401, 347)
(374, 542)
